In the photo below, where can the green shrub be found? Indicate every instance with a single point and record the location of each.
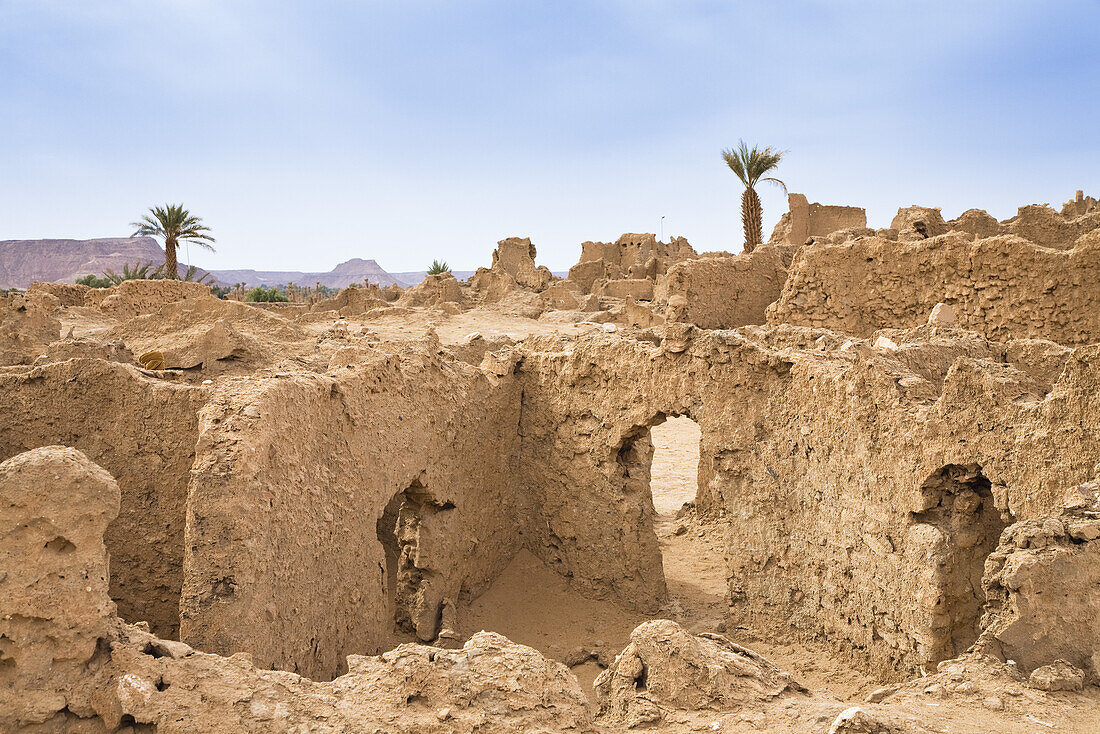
(259, 294)
(94, 281)
(439, 267)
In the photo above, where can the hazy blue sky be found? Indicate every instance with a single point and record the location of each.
(306, 133)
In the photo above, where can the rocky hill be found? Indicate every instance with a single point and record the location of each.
(351, 271)
(22, 262)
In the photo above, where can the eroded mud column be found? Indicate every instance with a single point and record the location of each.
(954, 535)
(417, 587)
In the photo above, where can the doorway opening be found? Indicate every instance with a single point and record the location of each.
(674, 470)
(692, 548)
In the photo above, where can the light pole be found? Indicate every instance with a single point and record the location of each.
(662, 228)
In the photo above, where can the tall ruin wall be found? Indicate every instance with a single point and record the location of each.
(832, 516)
(804, 220)
(325, 507)
(1003, 287)
(143, 431)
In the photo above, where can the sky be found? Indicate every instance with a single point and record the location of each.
(307, 133)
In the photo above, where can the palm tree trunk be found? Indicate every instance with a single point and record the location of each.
(751, 216)
(170, 269)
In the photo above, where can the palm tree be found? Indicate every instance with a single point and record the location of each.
(173, 224)
(750, 166)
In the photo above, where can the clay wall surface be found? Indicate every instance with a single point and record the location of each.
(134, 297)
(1042, 225)
(726, 292)
(68, 664)
(631, 256)
(1043, 589)
(302, 481)
(844, 475)
(1002, 287)
(804, 220)
(143, 431)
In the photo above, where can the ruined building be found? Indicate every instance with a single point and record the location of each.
(286, 524)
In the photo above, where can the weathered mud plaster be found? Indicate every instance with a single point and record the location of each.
(1043, 588)
(725, 292)
(804, 220)
(1003, 287)
(68, 664)
(832, 467)
(293, 474)
(143, 430)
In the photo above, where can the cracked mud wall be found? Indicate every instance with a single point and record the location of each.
(1002, 287)
(294, 473)
(143, 431)
(726, 292)
(68, 664)
(816, 456)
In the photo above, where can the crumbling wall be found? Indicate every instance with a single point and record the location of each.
(1042, 225)
(28, 324)
(135, 297)
(978, 223)
(55, 614)
(68, 664)
(353, 301)
(285, 555)
(635, 256)
(516, 257)
(67, 294)
(143, 431)
(214, 334)
(514, 283)
(804, 220)
(823, 459)
(918, 222)
(434, 290)
(1080, 205)
(726, 292)
(1002, 287)
(1043, 589)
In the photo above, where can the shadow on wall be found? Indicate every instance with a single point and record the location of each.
(963, 525)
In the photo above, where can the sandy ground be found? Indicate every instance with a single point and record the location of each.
(453, 329)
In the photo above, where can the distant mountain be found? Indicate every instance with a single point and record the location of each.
(355, 270)
(63, 261)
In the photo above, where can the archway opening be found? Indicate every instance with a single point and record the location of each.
(674, 470)
(692, 548)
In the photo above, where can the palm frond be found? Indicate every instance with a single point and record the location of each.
(751, 165)
(135, 271)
